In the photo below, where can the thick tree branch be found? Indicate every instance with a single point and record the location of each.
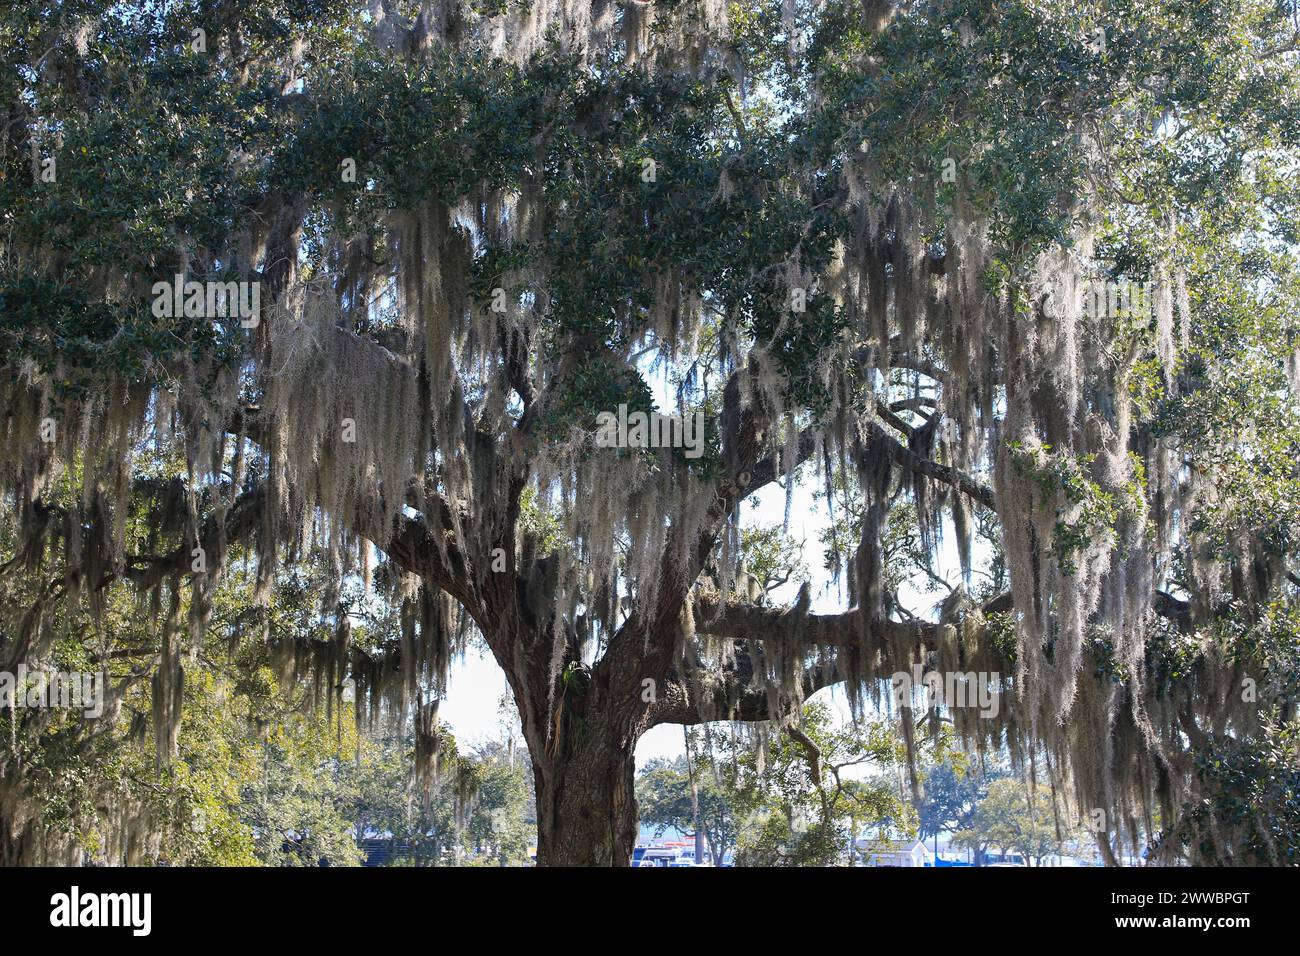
(910, 460)
(741, 697)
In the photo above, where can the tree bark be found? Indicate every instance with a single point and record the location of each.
(586, 803)
(581, 728)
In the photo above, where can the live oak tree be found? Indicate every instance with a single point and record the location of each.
(1027, 266)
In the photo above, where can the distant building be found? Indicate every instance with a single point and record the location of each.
(883, 852)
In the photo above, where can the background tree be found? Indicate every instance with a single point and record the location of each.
(1014, 820)
(803, 797)
(294, 808)
(672, 796)
(476, 811)
(951, 790)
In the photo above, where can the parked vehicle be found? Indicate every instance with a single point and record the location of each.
(665, 856)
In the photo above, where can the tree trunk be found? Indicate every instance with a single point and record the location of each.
(581, 725)
(586, 805)
(1107, 852)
